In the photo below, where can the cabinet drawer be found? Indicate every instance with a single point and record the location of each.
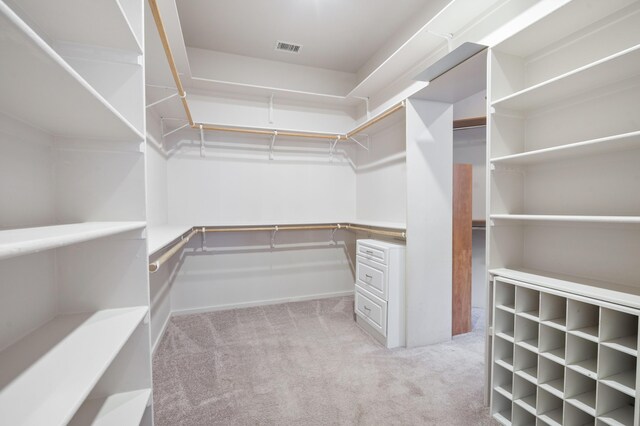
(372, 253)
(371, 309)
(372, 277)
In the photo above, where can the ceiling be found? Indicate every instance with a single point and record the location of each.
(338, 35)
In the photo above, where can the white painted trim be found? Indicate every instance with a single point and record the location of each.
(163, 330)
(261, 303)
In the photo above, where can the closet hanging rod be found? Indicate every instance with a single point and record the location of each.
(179, 244)
(183, 97)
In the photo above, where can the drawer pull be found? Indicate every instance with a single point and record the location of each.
(368, 251)
(366, 308)
(368, 276)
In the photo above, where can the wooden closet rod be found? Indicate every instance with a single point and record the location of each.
(263, 131)
(179, 244)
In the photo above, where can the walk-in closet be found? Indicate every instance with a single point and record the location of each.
(355, 212)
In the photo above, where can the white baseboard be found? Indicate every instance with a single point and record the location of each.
(261, 303)
(160, 335)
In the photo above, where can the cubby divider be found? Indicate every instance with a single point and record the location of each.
(582, 356)
(552, 344)
(525, 394)
(526, 333)
(526, 364)
(619, 330)
(617, 370)
(504, 325)
(522, 417)
(549, 408)
(580, 392)
(583, 320)
(505, 296)
(553, 311)
(551, 377)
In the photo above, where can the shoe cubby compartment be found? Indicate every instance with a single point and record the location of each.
(575, 417)
(619, 331)
(504, 324)
(501, 408)
(505, 296)
(503, 353)
(525, 394)
(614, 408)
(582, 356)
(528, 303)
(617, 370)
(526, 333)
(526, 364)
(580, 391)
(522, 417)
(503, 382)
(549, 408)
(552, 343)
(553, 311)
(551, 377)
(583, 320)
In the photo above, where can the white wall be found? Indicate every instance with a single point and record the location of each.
(157, 202)
(429, 221)
(381, 178)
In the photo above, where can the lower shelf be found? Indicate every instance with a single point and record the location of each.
(47, 375)
(122, 409)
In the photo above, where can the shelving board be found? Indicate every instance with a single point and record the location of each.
(18, 242)
(593, 147)
(99, 22)
(40, 88)
(609, 292)
(158, 237)
(620, 417)
(617, 67)
(122, 409)
(568, 218)
(47, 375)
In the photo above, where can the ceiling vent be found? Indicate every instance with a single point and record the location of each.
(288, 47)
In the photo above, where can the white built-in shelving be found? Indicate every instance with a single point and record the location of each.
(19, 242)
(74, 296)
(563, 149)
(42, 89)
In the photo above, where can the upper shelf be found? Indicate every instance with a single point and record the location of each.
(614, 68)
(46, 376)
(98, 22)
(622, 142)
(568, 218)
(122, 409)
(610, 292)
(18, 242)
(41, 89)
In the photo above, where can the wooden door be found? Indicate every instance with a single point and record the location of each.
(462, 223)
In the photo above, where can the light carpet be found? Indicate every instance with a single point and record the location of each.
(308, 363)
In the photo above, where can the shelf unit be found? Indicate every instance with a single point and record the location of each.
(563, 149)
(74, 293)
(591, 373)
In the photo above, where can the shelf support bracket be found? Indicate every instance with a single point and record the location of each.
(332, 147)
(273, 142)
(164, 135)
(271, 109)
(202, 151)
(359, 143)
(447, 36)
(204, 238)
(273, 237)
(166, 98)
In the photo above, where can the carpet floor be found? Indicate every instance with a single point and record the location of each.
(308, 363)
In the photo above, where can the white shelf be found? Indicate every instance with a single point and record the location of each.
(502, 419)
(610, 292)
(98, 22)
(47, 375)
(18, 242)
(555, 355)
(505, 391)
(620, 417)
(505, 363)
(611, 69)
(588, 367)
(529, 374)
(554, 387)
(508, 336)
(528, 403)
(159, 237)
(122, 409)
(588, 333)
(553, 418)
(624, 382)
(621, 142)
(627, 344)
(568, 218)
(585, 402)
(40, 88)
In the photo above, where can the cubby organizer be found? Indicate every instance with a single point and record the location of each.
(581, 373)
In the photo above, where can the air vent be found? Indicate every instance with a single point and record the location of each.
(288, 47)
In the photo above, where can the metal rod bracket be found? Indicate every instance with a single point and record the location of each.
(273, 142)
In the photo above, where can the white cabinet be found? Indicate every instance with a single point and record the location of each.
(379, 292)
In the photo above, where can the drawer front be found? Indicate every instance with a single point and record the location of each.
(372, 277)
(372, 253)
(371, 309)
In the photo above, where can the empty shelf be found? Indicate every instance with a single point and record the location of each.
(585, 402)
(557, 323)
(610, 292)
(504, 391)
(621, 417)
(556, 355)
(122, 409)
(553, 418)
(158, 237)
(505, 363)
(588, 333)
(624, 382)
(568, 218)
(617, 67)
(502, 418)
(627, 344)
(598, 146)
(507, 308)
(508, 336)
(588, 367)
(40, 88)
(530, 374)
(18, 242)
(554, 387)
(47, 375)
(99, 22)
(531, 345)
(528, 403)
